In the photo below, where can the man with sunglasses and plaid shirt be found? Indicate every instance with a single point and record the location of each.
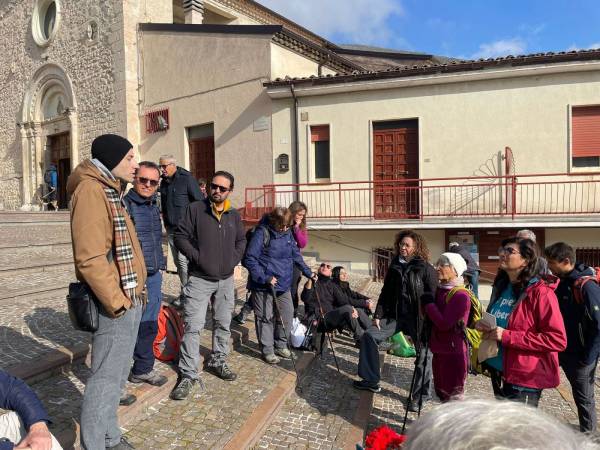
(211, 235)
(141, 203)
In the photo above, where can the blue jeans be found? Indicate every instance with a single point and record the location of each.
(143, 355)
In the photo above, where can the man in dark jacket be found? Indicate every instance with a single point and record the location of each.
(473, 270)
(579, 300)
(409, 283)
(177, 190)
(325, 301)
(143, 209)
(211, 236)
(27, 423)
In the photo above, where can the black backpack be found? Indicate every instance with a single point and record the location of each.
(250, 233)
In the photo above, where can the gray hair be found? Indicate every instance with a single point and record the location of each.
(478, 424)
(169, 158)
(526, 234)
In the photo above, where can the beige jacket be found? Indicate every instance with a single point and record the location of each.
(92, 236)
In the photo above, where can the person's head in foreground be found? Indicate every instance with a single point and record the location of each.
(478, 424)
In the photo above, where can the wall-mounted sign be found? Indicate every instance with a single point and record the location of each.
(261, 124)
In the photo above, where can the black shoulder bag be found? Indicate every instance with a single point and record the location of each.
(83, 305)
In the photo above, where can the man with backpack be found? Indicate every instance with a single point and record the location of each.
(578, 296)
(177, 190)
(143, 209)
(211, 236)
(51, 180)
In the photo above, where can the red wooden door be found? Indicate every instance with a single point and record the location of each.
(395, 155)
(202, 158)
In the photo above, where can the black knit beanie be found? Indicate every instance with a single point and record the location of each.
(110, 149)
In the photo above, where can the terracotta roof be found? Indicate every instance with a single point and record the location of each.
(451, 66)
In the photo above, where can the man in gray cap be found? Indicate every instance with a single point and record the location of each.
(109, 259)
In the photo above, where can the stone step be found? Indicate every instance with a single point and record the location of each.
(39, 280)
(33, 217)
(27, 234)
(30, 259)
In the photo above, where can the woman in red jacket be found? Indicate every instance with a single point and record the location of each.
(530, 330)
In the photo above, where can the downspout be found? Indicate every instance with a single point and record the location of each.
(295, 134)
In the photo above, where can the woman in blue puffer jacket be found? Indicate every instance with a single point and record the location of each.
(270, 261)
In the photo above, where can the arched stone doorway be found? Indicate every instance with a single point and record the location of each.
(48, 133)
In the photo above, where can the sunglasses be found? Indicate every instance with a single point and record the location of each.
(508, 251)
(326, 265)
(164, 166)
(146, 181)
(216, 187)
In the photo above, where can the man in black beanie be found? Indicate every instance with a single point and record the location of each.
(109, 259)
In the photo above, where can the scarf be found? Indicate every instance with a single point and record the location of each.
(123, 251)
(458, 281)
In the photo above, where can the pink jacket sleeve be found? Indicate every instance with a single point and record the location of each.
(456, 309)
(301, 236)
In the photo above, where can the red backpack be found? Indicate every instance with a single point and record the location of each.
(580, 282)
(170, 332)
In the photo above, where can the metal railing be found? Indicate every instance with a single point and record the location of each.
(484, 196)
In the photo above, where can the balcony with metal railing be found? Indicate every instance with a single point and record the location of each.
(568, 198)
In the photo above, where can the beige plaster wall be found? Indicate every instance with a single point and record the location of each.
(575, 237)
(353, 248)
(462, 126)
(285, 62)
(219, 79)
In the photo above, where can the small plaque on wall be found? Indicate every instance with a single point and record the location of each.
(261, 124)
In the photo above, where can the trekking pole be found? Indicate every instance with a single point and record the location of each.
(325, 326)
(287, 341)
(409, 399)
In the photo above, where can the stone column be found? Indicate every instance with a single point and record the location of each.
(193, 11)
(25, 152)
(73, 125)
(37, 159)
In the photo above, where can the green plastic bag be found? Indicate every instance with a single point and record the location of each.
(401, 346)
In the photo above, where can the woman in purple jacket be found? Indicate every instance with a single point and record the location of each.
(448, 312)
(298, 212)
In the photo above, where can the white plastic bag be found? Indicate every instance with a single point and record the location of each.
(298, 332)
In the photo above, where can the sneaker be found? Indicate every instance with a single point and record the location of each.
(283, 353)
(223, 371)
(366, 386)
(152, 378)
(271, 358)
(122, 445)
(240, 317)
(183, 389)
(127, 399)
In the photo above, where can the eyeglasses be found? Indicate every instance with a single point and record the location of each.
(326, 265)
(440, 266)
(404, 244)
(508, 251)
(164, 166)
(216, 187)
(146, 181)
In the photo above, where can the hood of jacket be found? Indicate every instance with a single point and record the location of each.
(87, 170)
(580, 270)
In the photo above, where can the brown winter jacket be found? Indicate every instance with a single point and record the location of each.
(92, 236)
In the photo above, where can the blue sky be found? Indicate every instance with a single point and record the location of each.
(459, 28)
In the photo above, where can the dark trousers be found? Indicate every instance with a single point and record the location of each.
(581, 379)
(368, 362)
(296, 276)
(504, 390)
(339, 318)
(143, 354)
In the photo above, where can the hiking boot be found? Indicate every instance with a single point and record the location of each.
(127, 399)
(183, 389)
(271, 358)
(152, 378)
(241, 317)
(364, 385)
(284, 353)
(223, 371)
(122, 445)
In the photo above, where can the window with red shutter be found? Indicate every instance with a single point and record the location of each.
(585, 136)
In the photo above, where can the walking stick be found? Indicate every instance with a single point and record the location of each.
(287, 341)
(325, 326)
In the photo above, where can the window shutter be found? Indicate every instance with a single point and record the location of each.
(586, 131)
(319, 133)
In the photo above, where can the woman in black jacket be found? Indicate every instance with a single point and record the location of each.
(410, 282)
(363, 304)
